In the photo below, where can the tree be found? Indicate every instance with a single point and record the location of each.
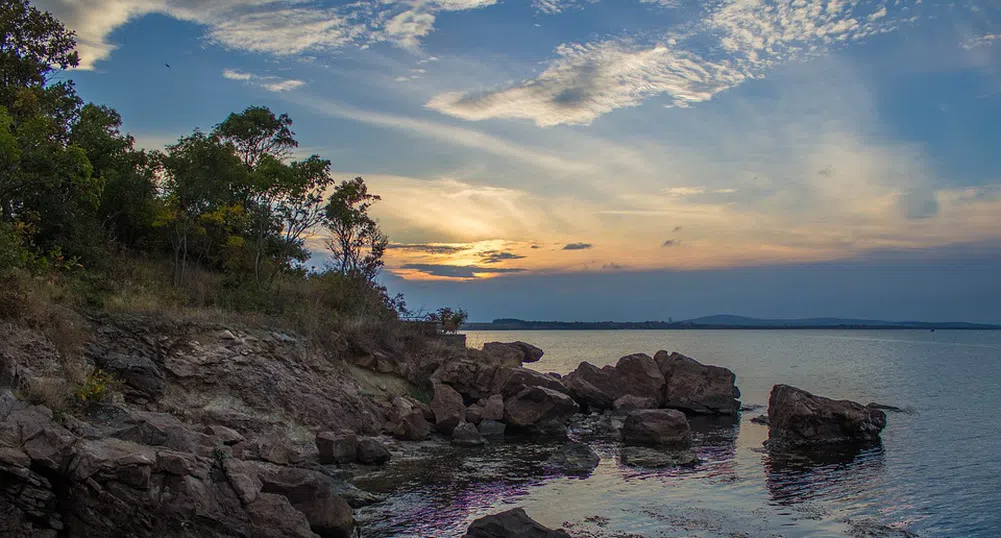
(356, 242)
(33, 44)
(257, 132)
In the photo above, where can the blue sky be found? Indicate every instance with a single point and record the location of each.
(849, 148)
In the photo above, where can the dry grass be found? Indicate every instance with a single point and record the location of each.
(52, 392)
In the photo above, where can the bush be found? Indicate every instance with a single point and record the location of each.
(96, 388)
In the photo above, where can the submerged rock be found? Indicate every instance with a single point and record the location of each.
(372, 451)
(760, 419)
(652, 458)
(511, 524)
(467, 435)
(491, 428)
(890, 408)
(799, 419)
(696, 387)
(657, 427)
(575, 458)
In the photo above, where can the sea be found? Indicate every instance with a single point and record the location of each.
(937, 472)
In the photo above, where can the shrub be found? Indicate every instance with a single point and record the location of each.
(97, 387)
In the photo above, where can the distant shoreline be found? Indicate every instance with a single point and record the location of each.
(716, 323)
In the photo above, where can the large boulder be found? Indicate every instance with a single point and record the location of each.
(511, 353)
(448, 408)
(141, 376)
(494, 408)
(639, 375)
(631, 403)
(657, 427)
(471, 378)
(310, 492)
(511, 524)
(373, 452)
(696, 387)
(797, 418)
(406, 420)
(536, 406)
(654, 458)
(519, 379)
(595, 388)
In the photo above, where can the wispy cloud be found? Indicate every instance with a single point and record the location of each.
(671, 243)
(270, 83)
(429, 248)
(578, 246)
(458, 271)
(496, 256)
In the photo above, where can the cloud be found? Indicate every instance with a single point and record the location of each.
(553, 7)
(671, 243)
(429, 248)
(981, 41)
(578, 246)
(678, 229)
(264, 26)
(270, 83)
(588, 80)
(496, 256)
(458, 271)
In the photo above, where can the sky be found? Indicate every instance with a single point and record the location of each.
(613, 159)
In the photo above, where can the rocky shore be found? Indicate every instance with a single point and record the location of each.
(216, 430)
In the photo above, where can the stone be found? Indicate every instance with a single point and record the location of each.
(538, 405)
(760, 419)
(511, 524)
(139, 373)
(512, 354)
(372, 451)
(657, 427)
(494, 408)
(594, 388)
(696, 387)
(271, 516)
(799, 419)
(491, 429)
(339, 448)
(310, 492)
(412, 427)
(631, 403)
(474, 414)
(639, 375)
(243, 477)
(228, 436)
(471, 378)
(448, 408)
(519, 379)
(467, 435)
(652, 458)
(183, 464)
(575, 459)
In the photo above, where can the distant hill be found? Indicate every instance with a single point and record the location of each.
(724, 321)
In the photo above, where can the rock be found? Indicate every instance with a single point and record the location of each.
(632, 403)
(512, 353)
(494, 408)
(272, 446)
(372, 451)
(412, 427)
(273, 517)
(538, 405)
(511, 524)
(575, 458)
(228, 436)
(183, 464)
(797, 419)
(491, 429)
(467, 435)
(594, 388)
(696, 387)
(657, 427)
(890, 408)
(337, 448)
(519, 379)
(243, 477)
(471, 378)
(639, 375)
(448, 409)
(652, 458)
(760, 419)
(474, 414)
(139, 373)
(310, 492)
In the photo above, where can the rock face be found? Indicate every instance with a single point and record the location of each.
(575, 458)
(467, 435)
(696, 387)
(799, 419)
(448, 409)
(657, 427)
(519, 379)
(55, 482)
(511, 524)
(632, 403)
(538, 406)
(372, 451)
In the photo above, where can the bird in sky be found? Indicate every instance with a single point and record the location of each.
(166, 64)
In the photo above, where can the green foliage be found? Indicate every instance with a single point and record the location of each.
(356, 242)
(422, 395)
(96, 387)
(449, 320)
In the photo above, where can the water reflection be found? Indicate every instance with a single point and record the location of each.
(822, 474)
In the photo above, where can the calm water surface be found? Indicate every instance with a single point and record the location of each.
(937, 473)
